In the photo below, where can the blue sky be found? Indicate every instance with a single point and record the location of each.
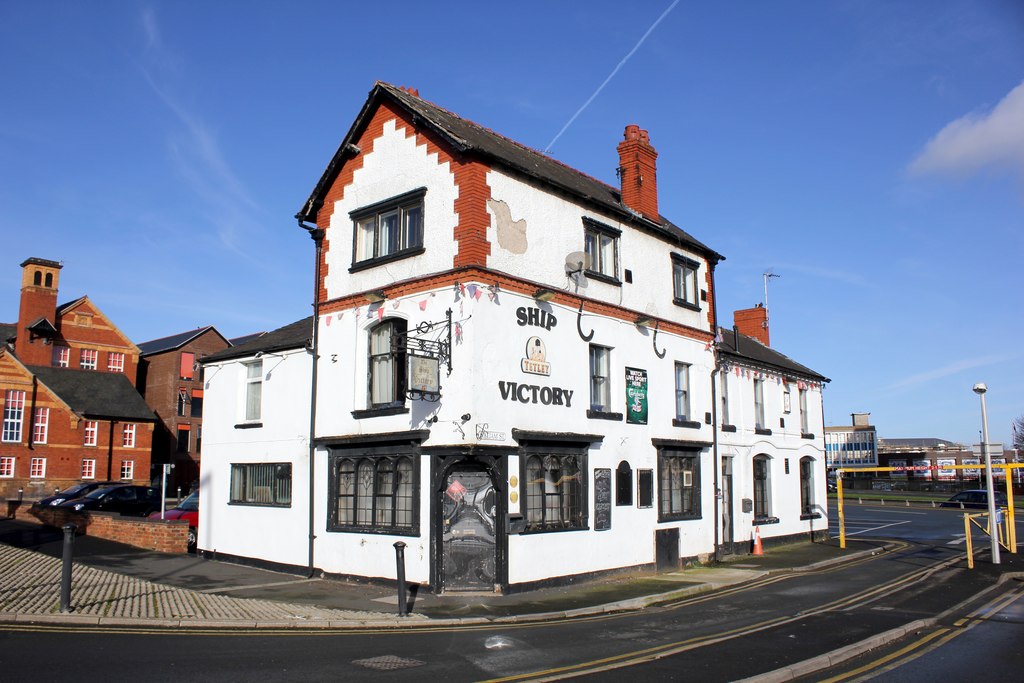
(870, 153)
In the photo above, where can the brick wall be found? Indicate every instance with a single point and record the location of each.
(160, 535)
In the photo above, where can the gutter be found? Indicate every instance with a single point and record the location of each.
(714, 411)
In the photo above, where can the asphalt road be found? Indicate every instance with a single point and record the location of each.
(729, 635)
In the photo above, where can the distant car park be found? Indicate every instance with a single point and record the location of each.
(125, 499)
(974, 499)
(72, 492)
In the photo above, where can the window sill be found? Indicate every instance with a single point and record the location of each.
(813, 515)
(686, 424)
(682, 303)
(553, 530)
(603, 415)
(805, 435)
(680, 517)
(758, 521)
(728, 428)
(247, 504)
(762, 431)
(248, 425)
(392, 531)
(610, 279)
(380, 260)
(379, 412)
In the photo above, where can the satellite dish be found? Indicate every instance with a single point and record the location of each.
(576, 264)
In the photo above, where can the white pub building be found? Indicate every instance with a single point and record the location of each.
(512, 369)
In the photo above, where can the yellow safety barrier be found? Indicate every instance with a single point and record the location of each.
(987, 529)
(1008, 518)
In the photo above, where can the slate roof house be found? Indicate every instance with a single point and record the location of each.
(513, 372)
(170, 379)
(70, 408)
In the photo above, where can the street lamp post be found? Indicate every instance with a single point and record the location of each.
(980, 390)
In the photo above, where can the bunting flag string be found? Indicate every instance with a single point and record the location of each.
(458, 333)
(472, 291)
(423, 305)
(380, 313)
(492, 292)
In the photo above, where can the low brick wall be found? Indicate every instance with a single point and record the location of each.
(165, 536)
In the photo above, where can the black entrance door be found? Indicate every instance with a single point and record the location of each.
(468, 535)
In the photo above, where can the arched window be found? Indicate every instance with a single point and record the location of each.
(623, 484)
(387, 364)
(49, 279)
(762, 505)
(37, 279)
(807, 485)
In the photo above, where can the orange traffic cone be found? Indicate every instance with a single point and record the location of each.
(758, 550)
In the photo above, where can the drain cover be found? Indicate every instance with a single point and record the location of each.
(388, 663)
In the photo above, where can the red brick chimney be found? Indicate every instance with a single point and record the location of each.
(638, 172)
(39, 279)
(753, 322)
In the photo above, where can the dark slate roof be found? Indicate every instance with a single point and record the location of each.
(245, 338)
(95, 394)
(8, 332)
(293, 336)
(468, 137)
(175, 340)
(753, 351)
(65, 306)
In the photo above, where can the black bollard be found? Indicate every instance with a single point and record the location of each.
(400, 559)
(65, 575)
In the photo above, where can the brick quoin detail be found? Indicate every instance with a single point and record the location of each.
(470, 177)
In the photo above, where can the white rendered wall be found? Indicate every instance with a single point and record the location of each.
(273, 534)
(554, 228)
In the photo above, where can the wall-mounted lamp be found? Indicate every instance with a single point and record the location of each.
(644, 321)
(543, 294)
(375, 297)
(466, 417)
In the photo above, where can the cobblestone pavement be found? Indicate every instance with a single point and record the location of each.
(30, 590)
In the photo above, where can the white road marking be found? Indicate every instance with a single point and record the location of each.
(875, 528)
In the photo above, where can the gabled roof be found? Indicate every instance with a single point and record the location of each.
(293, 336)
(95, 394)
(470, 138)
(753, 351)
(176, 341)
(41, 327)
(8, 332)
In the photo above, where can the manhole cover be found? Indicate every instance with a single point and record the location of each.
(388, 663)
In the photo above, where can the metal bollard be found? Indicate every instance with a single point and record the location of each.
(65, 574)
(400, 559)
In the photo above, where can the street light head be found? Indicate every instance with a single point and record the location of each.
(980, 388)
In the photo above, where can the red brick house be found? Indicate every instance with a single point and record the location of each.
(170, 379)
(70, 408)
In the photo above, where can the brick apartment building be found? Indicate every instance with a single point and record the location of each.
(70, 408)
(171, 381)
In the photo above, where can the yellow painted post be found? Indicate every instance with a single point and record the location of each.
(967, 537)
(1011, 528)
(842, 518)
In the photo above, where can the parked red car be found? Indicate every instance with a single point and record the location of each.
(188, 509)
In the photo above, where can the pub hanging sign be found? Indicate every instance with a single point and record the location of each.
(424, 377)
(636, 396)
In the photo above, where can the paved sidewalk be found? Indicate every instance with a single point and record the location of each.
(114, 584)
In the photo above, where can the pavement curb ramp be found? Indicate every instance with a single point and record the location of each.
(287, 616)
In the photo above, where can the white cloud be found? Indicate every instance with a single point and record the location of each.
(978, 140)
(950, 369)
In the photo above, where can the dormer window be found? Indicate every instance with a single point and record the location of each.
(388, 230)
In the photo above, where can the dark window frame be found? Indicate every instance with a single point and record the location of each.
(362, 509)
(687, 268)
(806, 487)
(623, 484)
(248, 476)
(407, 246)
(667, 485)
(398, 360)
(761, 474)
(553, 460)
(597, 271)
